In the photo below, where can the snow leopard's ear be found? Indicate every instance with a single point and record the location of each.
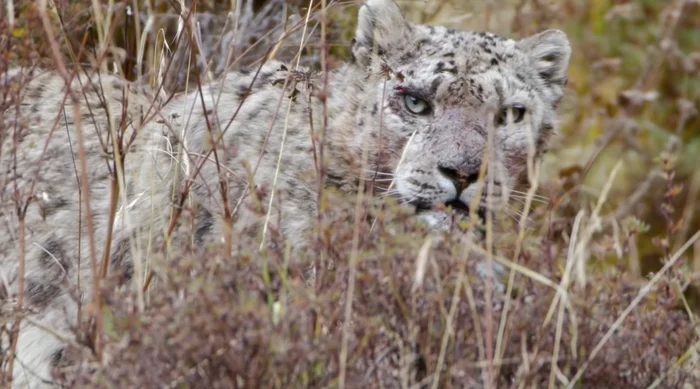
(381, 28)
(549, 53)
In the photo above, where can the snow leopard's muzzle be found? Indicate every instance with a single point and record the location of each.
(458, 165)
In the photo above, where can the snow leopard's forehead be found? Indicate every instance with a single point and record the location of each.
(451, 66)
(480, 50)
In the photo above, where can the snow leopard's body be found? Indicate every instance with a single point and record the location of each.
(441, 88)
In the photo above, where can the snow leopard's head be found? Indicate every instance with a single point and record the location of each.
(443, 96)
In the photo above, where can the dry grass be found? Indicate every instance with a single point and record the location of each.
(613, 201)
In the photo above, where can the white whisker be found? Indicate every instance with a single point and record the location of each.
(390, 193)
(377, 172)
(534, 199)
(526, 194)
(405, 201)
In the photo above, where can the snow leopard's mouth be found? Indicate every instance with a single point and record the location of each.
(458, 206)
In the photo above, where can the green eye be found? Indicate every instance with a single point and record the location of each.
(517, 111)
(416, 105)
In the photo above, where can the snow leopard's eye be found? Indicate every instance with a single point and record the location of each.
(416, 105)
(517, 111)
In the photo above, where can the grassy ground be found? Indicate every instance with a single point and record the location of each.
(601, 269)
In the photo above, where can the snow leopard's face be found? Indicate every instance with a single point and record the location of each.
(457, 101)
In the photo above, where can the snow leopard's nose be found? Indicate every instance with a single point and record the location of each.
(460, 179)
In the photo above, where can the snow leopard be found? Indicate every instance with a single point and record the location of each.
(90, 163)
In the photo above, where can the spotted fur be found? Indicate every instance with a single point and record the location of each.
(466, 79)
